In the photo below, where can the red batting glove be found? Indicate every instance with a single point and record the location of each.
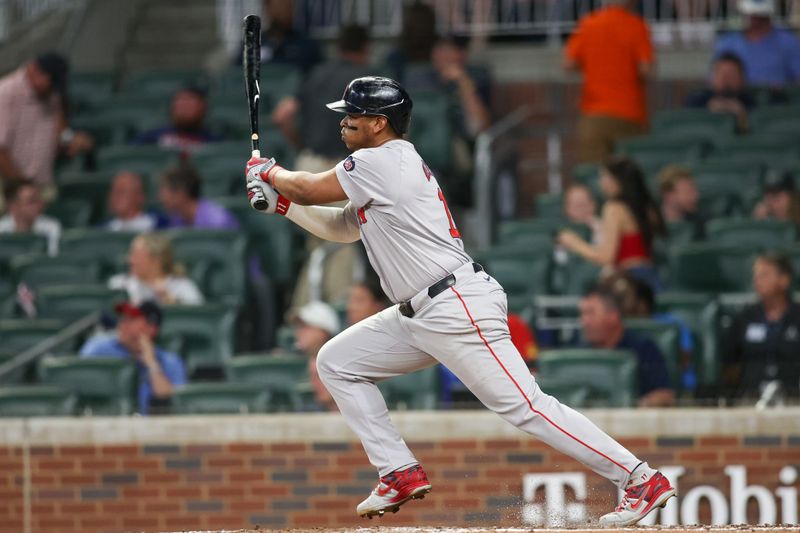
(265, 175)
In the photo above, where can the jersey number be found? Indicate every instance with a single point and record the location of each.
(453, 230)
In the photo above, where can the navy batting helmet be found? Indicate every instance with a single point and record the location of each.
(372, 95)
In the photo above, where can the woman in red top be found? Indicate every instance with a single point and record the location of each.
(631, 221)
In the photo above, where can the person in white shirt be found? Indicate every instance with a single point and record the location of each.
(126, 201)
(25, 207)
(154, 275)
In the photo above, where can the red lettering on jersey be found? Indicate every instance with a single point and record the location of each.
(362, 217)
(426, 169)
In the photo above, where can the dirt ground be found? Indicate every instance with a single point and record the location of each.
(742, 528)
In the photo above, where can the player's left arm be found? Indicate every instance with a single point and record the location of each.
(305, 188)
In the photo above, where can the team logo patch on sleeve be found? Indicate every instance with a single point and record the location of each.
(349, 163)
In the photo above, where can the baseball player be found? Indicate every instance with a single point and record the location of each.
(448, 309)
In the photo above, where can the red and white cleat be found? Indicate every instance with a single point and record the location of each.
(394, 490)
(648, 493)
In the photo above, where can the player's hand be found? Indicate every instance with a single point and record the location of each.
(259, 190)
(260, 169)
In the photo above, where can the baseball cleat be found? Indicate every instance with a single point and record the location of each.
(639, 500)
(394, 490)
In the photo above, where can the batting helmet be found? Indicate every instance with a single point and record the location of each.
(372, 95)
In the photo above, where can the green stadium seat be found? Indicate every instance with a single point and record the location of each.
(667, 337)
(216, 261)
(219, 398)
(144, 159)
(776, 120)
(88, 89)
(40, 270)
(103, 385)
(793, 252)
(610, 375)
(768, 150)
(15, 376)
(15, 244)
(36, 400)
(655, 150)
(574, 276)
(205, 334)
(701, 312)
(277, 374)
(92, 187)
(107, 248)
(107, 129)
(430, 130)
(71, 212)
(70, 302)
(681, 232)
(565, 391)
(694, 123)
(522, 272)
(21, 334)
(275, 240)
(283, 80)
(711, 267)
(415, 391)
(757, 234)
(164, 83)
(549, 206)
(535, 233)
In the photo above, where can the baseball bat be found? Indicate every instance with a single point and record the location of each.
(251, 62)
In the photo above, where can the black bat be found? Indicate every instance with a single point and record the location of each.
(251, 61)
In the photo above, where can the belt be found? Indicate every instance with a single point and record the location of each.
(407, 310)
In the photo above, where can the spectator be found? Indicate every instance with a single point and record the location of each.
(468, 88)
(727, 92)
(314, 325)
(25, 207)
(186, 130)
(126, 203)
(305, 120)
(417, 38)
(765, 337)
(638, 300)
(631, 221)
(366, 299)
(179, 193)
(580, 207)
(33, 122)
(281, 42)
(161, 371)
(780, 201)
(154, 275)
(601, 322)
(771, 56)
(680, 198)
(613, 98)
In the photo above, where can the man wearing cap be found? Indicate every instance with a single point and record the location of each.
(314, 325)
(33, 123)
(780, 201)
(771, 55)
(159, 371)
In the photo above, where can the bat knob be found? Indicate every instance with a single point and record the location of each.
(261, 204)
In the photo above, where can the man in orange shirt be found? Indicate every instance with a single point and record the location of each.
(613, 50)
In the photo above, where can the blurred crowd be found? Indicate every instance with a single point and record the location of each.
(618, 220)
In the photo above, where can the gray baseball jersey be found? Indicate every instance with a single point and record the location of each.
(406, 226)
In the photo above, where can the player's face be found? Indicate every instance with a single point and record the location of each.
(360, 131)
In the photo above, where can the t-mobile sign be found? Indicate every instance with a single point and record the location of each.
(556, 511)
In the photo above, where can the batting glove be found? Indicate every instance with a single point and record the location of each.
(258, 190)
(261, 169)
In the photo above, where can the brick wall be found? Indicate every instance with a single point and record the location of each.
(243, 481)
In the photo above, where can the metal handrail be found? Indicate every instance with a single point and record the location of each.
(484, 179)
(41, 348)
